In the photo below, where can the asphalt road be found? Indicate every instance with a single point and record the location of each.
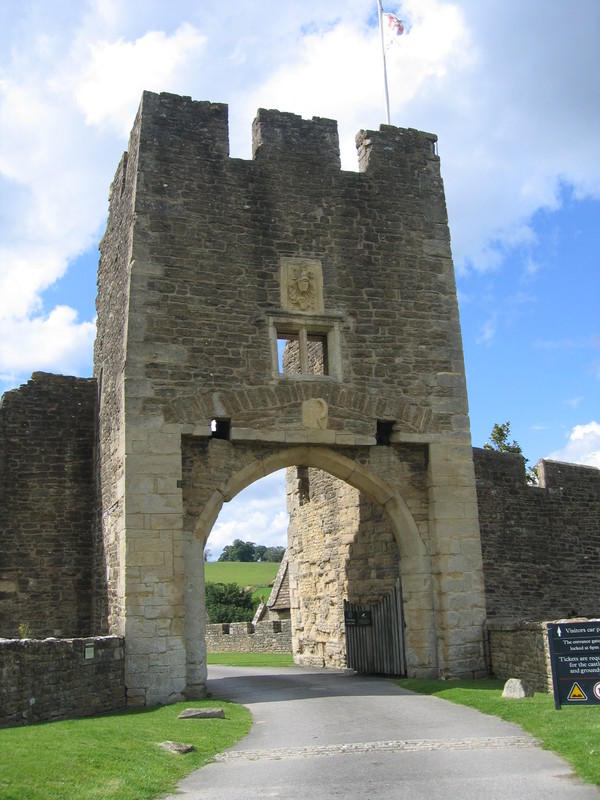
(321, 734)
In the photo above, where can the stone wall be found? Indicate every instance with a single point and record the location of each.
(47, 506)
(113, 329)
(341, 547)
(540, 544)
(51, 679)
(520, 650)
(273, 636)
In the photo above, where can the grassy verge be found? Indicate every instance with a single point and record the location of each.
(251, 573)
(261, 593)
(573, 733)
(251, 659)
(113, 757)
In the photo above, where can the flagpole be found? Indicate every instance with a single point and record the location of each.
(385, 82)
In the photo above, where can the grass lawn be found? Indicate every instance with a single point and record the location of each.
(114, 756)
(251, 659)
(573, 733)
(257, 575)
(261, 592)
(252, 573)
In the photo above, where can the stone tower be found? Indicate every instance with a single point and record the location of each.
(211, 265)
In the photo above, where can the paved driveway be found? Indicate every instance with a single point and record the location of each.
(321, 734)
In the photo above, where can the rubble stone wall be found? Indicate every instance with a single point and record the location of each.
(51, 679)
(540, 544)
(47, 506)
(519, 649)
(243, 637)
(342, 546)
(115, 272)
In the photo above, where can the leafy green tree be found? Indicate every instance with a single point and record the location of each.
(500, 441)
(273, 554)
(238, 551)
(228, 602)
(259, 552)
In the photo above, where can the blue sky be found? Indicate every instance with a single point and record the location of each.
(511, 88)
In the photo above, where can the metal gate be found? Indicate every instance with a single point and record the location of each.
(374, 635)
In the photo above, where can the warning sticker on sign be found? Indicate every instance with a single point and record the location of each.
(577, 693)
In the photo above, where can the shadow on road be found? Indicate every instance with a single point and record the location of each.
(257, 685)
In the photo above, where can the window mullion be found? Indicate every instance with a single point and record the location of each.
(303, 343)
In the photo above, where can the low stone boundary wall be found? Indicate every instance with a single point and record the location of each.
(51, 679)
(519, 649)
(274, 636)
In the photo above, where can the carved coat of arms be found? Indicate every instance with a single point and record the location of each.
(302, 285)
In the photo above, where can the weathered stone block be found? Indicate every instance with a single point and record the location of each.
(517, 689)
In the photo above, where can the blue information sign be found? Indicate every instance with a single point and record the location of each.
(575, 659)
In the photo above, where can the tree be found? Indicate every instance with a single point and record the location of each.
(499, 441)
(259, 552)
(248, 551)
(273, 554)
(228, 602)
(238, 551)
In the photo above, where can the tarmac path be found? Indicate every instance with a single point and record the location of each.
(321, 734)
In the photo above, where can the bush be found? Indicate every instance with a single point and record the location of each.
(228, 602)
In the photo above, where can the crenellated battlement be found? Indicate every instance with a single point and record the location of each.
(174, 122)
(508, 470)
(277, 135)
(171, 118)
(378, 150)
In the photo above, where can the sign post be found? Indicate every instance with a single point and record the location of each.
(575, 661)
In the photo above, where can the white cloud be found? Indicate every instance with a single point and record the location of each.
(257, 514)
(56, 342)
(508, 106)
(574, 402)
(532, 267)
(109, 88)
(67, 100)
(583, 446)
(488, 330)
(582, 343)
(337, 72)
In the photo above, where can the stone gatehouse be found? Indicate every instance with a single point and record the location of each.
(256, 315)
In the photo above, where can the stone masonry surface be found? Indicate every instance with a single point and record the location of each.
(520, 650)
(340, 546)
(47, 506)
(540, 544)
(243, 637)
(50, 679)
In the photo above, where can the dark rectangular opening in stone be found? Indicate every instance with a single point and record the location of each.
(303, 485)
(385, 428)
(220, 428)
